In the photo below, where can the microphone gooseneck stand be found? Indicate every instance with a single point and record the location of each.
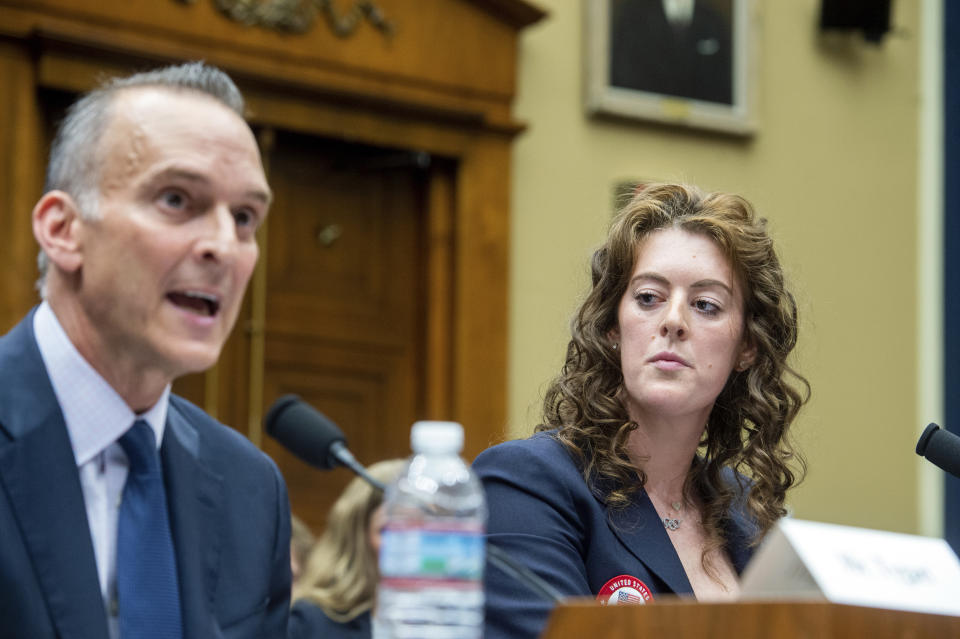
(316, 440)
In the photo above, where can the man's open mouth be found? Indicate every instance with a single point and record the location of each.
(196, 302)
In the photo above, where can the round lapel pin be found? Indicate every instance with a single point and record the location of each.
(624, 589)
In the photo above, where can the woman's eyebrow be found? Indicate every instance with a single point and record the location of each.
(708, 283)
(660, 279)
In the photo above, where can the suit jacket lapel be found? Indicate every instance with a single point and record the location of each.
(740, 531)
(639, 528)
(39, 474)
(641, 531)
(193, 497)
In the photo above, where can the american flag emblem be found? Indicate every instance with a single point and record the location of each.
(624, 589)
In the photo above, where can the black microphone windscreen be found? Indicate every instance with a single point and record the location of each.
(303, 430)
(942, 448)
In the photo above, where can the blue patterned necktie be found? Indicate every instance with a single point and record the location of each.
(148, 593)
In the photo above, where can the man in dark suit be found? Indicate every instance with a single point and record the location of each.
(125, 511)
(679, 48)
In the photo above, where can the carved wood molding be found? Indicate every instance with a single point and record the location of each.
(298, 16)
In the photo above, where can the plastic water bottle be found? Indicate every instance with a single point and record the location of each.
(432, 545)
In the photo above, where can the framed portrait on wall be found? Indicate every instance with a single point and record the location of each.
(683, 62)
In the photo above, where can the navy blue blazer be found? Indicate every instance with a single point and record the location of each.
(229, 516)
(309, 621)
(544, 514)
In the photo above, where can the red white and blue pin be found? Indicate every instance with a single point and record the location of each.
(624, 589)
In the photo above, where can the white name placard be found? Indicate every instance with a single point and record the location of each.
(804, 559)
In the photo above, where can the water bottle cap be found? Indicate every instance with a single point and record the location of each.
(436, 437)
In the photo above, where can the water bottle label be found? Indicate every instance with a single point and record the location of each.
(418, 553)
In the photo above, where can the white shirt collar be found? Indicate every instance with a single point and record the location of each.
(96, 416)
(678, 12)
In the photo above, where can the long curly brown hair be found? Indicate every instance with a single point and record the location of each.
(748, 425)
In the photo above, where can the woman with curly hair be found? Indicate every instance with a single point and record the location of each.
(334, 596)
(663, 456)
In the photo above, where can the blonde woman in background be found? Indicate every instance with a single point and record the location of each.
(301, 543)
(334, 596)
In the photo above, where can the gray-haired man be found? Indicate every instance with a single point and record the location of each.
(125, 511)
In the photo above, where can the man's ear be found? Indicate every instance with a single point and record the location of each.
(58, 229)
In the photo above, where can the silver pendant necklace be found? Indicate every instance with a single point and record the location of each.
(672, 523)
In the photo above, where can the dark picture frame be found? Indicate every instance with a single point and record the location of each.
(693, 69)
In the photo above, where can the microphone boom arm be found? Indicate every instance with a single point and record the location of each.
(311, 436)
(340, 452)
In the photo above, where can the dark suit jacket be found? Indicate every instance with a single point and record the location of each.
(648, 54)
(309, 621)
(544, 514)
(228, 505)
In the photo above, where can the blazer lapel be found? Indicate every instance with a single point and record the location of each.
(193, 497)
(641, 531)
(740, 531)
(639, 528)
(39, 474)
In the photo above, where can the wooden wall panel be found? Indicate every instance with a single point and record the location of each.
(366, 392)
(478, 55)
(346, 252)
(440, 275)
(22, 151)
(443, 52)
(481, 271)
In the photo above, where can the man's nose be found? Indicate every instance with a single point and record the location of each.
(218, 241)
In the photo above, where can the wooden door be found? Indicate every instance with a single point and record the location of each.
(345, 310)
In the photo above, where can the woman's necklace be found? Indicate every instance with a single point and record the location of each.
(672, 523)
